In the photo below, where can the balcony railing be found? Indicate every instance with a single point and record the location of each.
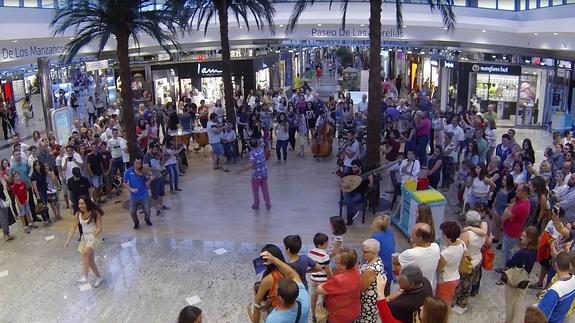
(509, 5)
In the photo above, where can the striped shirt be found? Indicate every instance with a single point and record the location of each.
(321, 257)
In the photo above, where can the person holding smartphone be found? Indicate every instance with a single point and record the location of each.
(295, 304)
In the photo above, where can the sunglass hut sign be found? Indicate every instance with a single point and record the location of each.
(353, 32)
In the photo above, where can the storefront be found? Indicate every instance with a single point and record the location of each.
(533, 96)
(201, 80)
(484, 84)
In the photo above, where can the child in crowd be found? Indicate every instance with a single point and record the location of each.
(302, 264)
(20, 190)
(320, 255)
(338, 230)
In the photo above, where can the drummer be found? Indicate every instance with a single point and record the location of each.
(354, 199)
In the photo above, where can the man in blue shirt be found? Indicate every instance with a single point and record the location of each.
(558, 298)
(20, 166)
(295, 299)
(137, 181)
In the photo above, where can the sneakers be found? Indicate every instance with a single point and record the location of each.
(148, 222)
(158, 213)
(98, 282)
(458, 309)
(33, 226)
(27, 230)
(355, 216)
(136, 226)
(83, 280)
(165, 207)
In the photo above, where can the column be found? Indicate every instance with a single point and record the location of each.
(45, 84)
(443, 87)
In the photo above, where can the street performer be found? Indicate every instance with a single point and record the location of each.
(354, 200)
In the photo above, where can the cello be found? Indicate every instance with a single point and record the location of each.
(322, 145)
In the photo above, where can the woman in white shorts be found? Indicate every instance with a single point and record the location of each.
(90, 217)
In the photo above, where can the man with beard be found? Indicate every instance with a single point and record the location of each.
(354, 199)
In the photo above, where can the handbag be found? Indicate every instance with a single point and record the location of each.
(321, 313)
(465, 266)
(516, 277)
(488, 256)
(40, 207)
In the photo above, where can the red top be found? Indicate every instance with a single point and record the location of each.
(343, 296)
(21, 192)
(514, 226)
(385, 312)
(423, 127)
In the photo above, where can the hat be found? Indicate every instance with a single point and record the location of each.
(473, 216)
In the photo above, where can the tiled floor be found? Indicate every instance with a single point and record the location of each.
(174, 259)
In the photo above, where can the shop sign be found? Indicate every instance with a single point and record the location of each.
(163, 57)
(564, 64)
(97, 65)
(501, 69)
(353, 32)
(208, 71)
(12, 53)
(448, 64)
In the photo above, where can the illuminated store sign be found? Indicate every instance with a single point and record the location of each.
(205, 71)
(11, 53)
(353, 32)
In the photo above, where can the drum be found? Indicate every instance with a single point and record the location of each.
(200, 137)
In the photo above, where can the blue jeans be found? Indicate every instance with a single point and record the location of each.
(44, 200)
(281, 145)
(173, 174)
(118, 164)
(352, 200)
(145, 204)
(509, 245)
(421, 149)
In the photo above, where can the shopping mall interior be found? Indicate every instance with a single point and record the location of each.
(514, 56)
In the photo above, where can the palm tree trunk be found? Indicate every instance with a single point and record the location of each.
(373, 107)
(126, 93)
(226, 61)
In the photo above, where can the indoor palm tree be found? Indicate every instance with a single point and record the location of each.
(95, 21)
(444, 7)
(196, 14)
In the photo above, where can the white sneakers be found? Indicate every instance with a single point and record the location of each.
(83, 280)
(98, 282)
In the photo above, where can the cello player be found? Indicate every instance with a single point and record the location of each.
(324, 119)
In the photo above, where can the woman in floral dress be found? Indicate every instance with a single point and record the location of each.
(372, 268)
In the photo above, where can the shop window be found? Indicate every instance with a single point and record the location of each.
(48, 4)
(570, 1)
(31, 3)
(461, 3)
(491, 4)
(522, 5)
(12, 3)
(557, 2)
(506, 5)
(543, 3)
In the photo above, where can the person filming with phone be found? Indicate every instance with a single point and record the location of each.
(294, 300)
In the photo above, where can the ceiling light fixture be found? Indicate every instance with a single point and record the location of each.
(483, 30)
(362, 25)
(319, 25)
(556, 34)
(535, 34)
(409, 52)
(493, 56)
(15, 41)
(281, 25)
(445, 28)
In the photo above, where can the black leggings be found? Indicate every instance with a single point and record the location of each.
(292, 132)
(281, 145)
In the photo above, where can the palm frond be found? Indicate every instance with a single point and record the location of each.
(344, 5)
(301, 5)
(96, 21)
(445, 8)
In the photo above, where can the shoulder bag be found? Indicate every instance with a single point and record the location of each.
(465, 266)
(516, 277)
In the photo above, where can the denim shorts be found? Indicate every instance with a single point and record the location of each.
(218, 148)
(157, 188)
(23, 209)
(97, 181)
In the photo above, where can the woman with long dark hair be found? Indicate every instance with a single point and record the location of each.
(267, 289)
(481, 186)
(89, 215)
(528, 152)
(292, 121)
(40, 188)
(282, 137)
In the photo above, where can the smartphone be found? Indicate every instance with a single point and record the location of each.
(259, 266)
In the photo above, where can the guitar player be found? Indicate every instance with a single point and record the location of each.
(354, 199)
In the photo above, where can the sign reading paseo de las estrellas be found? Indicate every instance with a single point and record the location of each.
(353, 32)
(10, 53)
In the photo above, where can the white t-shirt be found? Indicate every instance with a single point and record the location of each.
(115, 147)
(354, 147)
(124, 147)
(212, 135)
(452, 256)
(283, 131)
(425, 258)
(77, 160)
(362, 106)
(458, 133)
(413, 170)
